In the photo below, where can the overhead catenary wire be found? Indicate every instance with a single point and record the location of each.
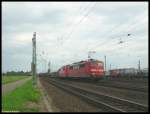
(77, 55)
(84, 8)
(120, 35)
(81, 21)
(110, 38)
(73, 24)
(125, 39)
(62, 39)
(118, 45)
(129, 26)
(99, 44)
(130, 21)
(82, 18)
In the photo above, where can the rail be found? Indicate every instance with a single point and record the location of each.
(109, 103)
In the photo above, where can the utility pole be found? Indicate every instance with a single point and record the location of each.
(45, 64)
(105, 65)
(110, 66)
(49, 67)
(31, 69)
(34, 59)
(139, 66)
(89, 54)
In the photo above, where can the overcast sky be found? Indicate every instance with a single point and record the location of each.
(66, 31)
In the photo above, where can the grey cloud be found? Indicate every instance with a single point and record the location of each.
(25, 15)
(119, 14)
(50, 23)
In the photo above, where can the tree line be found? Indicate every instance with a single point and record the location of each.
(9, 73)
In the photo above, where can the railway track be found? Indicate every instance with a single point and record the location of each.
(126, 86)
(136, 96)
(129, 81)
(112, 84)
(107, 102)
(133, 88)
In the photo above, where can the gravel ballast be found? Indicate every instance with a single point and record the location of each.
(66, 102)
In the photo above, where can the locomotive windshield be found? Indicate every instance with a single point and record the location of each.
(82, 65)
(97, 63)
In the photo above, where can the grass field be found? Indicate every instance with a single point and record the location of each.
(8, 79)
(22, 99)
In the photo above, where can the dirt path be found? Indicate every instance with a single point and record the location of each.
(11, 86)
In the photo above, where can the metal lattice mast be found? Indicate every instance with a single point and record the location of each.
(105, 65)
(89, 54)
(139, 68)
(49, 67)
(34, 59)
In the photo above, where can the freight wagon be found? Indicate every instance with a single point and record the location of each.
(123, 72)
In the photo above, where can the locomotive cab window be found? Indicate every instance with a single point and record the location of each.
(75, 67)
(82, 65)
(71, 67)
(63, 68)
(100, 64)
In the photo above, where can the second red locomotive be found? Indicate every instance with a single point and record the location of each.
(83, 69)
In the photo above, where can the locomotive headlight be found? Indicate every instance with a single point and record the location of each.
(99, 64)
(93, 70)
(96, 70)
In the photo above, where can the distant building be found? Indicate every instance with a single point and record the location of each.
(145, 71)
(107, 73)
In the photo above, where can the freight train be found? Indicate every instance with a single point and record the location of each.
(123, 72)
(84, 69)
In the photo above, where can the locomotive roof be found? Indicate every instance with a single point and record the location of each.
(80, 62)
(95, 60)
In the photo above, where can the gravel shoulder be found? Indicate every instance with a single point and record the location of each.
(45, 106)
(65, 102)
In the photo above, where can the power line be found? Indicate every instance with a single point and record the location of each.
(76, 24)
(81, 21)
(87, 13)
(85, 8)
(112, 29)
(125, 40)
(61, 36)
(82, 18)
(79, 10)
(118, 45)
(103, 43)
(132, 22)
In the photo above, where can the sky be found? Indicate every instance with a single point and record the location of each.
(67, 31)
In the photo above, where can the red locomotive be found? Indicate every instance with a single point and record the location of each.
(83, 69)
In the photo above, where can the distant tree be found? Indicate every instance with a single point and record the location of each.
(21, 73)
(3, 74)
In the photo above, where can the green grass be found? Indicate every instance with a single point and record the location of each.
(8, 79)
(21, 98)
